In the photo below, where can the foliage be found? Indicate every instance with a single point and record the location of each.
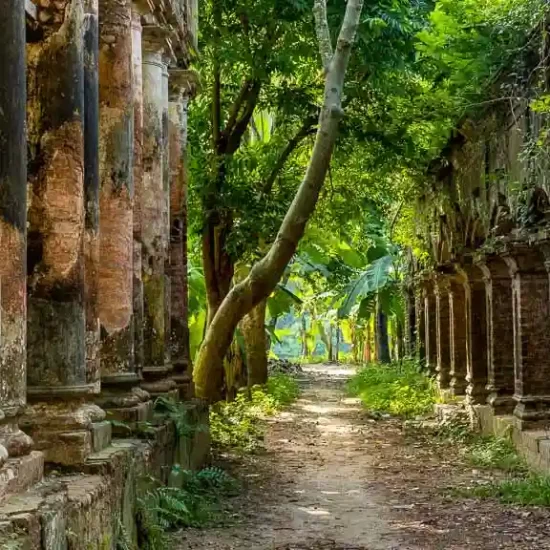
(180, 413)
(531, 490)
(492, 452)
(237, 424)
(194, 504)
(399, 389)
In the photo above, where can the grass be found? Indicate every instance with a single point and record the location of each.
(399, 389)
(237, 425)
(530, 490)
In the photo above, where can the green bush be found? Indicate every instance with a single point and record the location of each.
(237, 424)
(399, 389)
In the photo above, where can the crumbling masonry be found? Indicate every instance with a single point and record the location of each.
(479, 310)
(93, 291)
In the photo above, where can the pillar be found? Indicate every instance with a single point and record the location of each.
(154, 214)
(421, 325)
(458, 334)
(443, 331)
(13, 220)
(61, 383)
(91, 184)
(119, 378)
(430, 326)
(476, 335)
(531, 313)
(181, 86)
(500, 335)
(137, 100)
(410, 321)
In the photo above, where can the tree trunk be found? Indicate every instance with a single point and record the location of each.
(253, 329)
(367, 349)
(303, 331)
(330, 349)
(382, 342)
(264, 275)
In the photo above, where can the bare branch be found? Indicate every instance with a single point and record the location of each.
(236, 106)
(323, 32)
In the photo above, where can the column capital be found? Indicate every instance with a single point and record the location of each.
(183, 83)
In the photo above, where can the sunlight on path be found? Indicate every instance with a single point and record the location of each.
(315, 487)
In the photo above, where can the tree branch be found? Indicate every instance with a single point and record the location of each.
(306, 130)
(323, 32)
(236, 106)
(264, 275)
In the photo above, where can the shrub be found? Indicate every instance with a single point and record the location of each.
(237, 424)
(399, 389)
(532, 490)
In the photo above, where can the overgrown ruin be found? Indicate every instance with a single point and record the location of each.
(93, 320)
(481, 315)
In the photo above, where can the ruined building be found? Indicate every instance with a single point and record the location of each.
(480, 313)
(93, 296)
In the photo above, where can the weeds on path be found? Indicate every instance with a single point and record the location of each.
(399, 389)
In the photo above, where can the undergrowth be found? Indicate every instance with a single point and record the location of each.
(529, 490)
(237, 424)
(400, 389)
(194, 502)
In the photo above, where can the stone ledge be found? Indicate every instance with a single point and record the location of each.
(533, 445)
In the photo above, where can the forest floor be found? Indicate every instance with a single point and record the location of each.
(331, 478)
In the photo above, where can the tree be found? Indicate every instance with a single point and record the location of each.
(264, 275)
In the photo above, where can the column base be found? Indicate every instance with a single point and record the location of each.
(158, 381)
(458, 387)
(443, 380)
(501, 404)
(64, 431)
(532, 412)
(476, 394)
(185, 386)
(18, 474)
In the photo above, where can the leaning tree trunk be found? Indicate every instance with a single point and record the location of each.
(265, 274)
(382, 341)
(253, 329)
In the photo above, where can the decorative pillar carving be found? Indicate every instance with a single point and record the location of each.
(430, 313)
(458, 334)
(500, 335)
(60, 379)
(443, 320)
(531, 307)
(154, 214)
(182, 86)
(13, 219)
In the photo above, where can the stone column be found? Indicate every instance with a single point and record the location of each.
(154, 214)
(119, 378)
(443, 320)
(181, 86)
(138, 187)
(476, 341)
(13, 219)
(59, 378)
(431, 326)
(410, 321)
(531, 307)
(421, 325)
(458, 334)
(91, 184)
(500, 335)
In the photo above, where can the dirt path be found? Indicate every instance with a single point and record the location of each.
(331, 478)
